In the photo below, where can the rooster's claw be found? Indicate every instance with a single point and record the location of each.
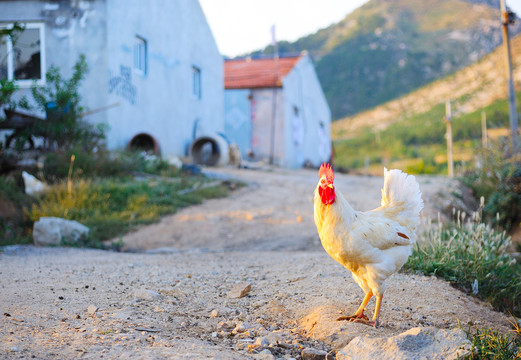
(353, 318)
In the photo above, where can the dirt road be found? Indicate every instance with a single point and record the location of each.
(170, 297)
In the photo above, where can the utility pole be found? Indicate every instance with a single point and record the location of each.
(484, 138)
(448, 135)
(505, 21)
(274, 100)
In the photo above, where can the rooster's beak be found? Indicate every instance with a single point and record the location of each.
(330, 185)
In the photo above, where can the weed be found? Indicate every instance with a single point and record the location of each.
(113, 207)
(474, 257)
(489, 344)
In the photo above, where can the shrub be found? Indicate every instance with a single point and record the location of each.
(112, 207)
(13, 219)
(489, 344)
(64, 128)
(497, 178)
(103, 163)
(474, 257)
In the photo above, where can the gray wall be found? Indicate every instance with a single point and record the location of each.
(307, 135)
(161, 102)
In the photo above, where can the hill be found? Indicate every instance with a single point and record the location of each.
(471, 88)
(409, 132)
(385, 49)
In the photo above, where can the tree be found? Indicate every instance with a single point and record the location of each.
(64, 127)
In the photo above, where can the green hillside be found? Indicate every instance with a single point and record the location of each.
(385, 49)
(417, 144)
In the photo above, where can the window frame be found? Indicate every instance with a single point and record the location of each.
(141, 56)
(26, 83)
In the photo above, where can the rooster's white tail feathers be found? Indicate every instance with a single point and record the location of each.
(403, 191)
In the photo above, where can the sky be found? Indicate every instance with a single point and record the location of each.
(242, 26)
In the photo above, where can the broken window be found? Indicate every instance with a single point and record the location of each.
(140, 55)
(21, 57)
(196, 82)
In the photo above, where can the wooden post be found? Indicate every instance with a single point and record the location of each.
(274, 100)
(484, 139)
(505, 21)
(448, 135)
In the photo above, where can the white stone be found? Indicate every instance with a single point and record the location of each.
(33, 186)
(53, 231)
(420, 343)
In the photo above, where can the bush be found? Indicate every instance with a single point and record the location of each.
(64, 128)
(497, 178)
(489, 344)
(112, 207)
(14, 222)
(475, 258)
(103, 163)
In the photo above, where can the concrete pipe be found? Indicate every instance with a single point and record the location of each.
(210, 150)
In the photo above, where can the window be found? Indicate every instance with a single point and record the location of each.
(196, 82)
(140, 55)
(22, 58)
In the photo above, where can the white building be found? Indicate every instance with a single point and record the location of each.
(275, 110)
(154, 66)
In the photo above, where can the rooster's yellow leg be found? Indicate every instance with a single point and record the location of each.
(375, 321)
(359, 314)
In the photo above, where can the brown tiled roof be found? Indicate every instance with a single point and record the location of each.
(256, 73)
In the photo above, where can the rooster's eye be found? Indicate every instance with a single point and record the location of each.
(323, 181)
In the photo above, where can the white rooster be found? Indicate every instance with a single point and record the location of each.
(374, 244)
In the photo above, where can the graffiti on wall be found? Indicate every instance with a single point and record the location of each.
(122, 84)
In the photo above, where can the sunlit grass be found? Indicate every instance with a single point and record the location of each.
(419, 140)
(474, 257)
(490, 344)
(113, 207)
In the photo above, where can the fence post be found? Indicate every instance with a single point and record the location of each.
(484, 139)
(448, 135)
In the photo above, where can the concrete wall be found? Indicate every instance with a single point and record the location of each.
(161, 101)
(263, 127)
(237, 112)
(307, 130)
(71, 28)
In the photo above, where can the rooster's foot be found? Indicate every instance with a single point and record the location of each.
(353, 318)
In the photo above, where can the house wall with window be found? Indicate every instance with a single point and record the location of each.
(308, 117)
(288, 114)
(154, 63)
(165, 71)
(59, 34)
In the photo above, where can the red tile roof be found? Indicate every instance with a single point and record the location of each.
(256, 73)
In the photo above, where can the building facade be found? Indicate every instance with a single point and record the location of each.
(275, 110)
(155, 72)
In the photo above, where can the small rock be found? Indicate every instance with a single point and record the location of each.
(315, 354)
(33, 186)
(429, 342)
(239, 328)
(239, 290)
(145, 294)
(214, 313)
(53, 231)
(262, 341)
(264, 355)
(91, 310)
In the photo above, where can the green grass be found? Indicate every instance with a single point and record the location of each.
(475, 258)
(490, 344)
(115, 206)
(420, 137)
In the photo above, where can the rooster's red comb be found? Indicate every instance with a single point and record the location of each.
(326, 169)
